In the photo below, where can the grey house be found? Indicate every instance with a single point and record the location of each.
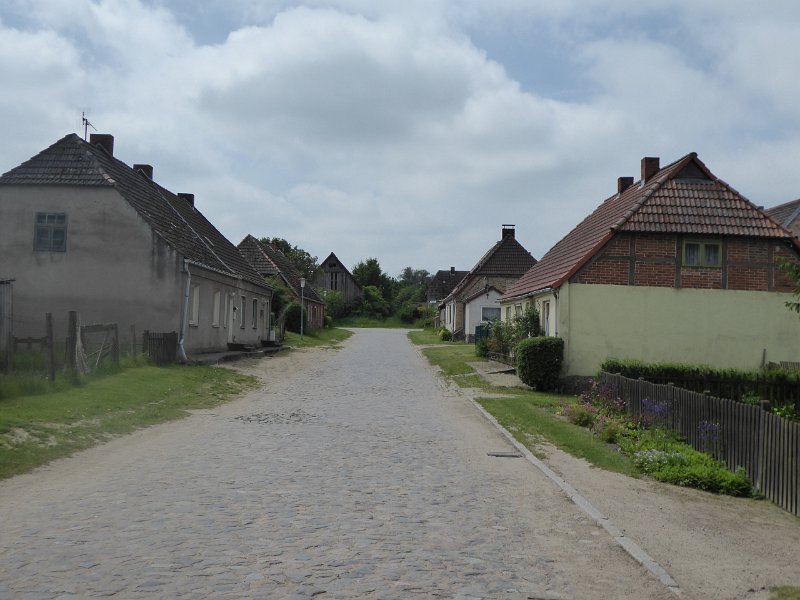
(83, 231)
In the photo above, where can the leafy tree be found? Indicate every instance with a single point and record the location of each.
(368, 273)
(409, 276)
(372, 303)
(303, 261)
(792, 270)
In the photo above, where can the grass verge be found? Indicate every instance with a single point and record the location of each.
(529, 416)
(37, 429)
(388, 322)
(317, 337)
(428, 337)
(784, 593)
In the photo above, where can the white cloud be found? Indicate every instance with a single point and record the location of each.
(382, 129)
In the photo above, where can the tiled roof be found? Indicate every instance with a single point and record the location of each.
(73, 161)
(787, 215)
(269, 260)
(683, 197)
(443, 283)
(506, 259)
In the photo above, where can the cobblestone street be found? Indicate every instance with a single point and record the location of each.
(353, 473)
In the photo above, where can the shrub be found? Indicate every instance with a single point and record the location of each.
(539, 361)
(292, 317)
(328, 321)
(582, 414)
(482, 347)
(445, 334)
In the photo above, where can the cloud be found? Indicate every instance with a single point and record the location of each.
(387, 129)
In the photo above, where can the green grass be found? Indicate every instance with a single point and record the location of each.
(37, 429)
(784, 593)
(529, 416)
(452, 360)
(427, 337)
(390, 322)
(317, 337)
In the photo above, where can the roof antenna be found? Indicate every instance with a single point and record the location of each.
(86, 125)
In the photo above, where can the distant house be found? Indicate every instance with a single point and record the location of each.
(475, 298)
(83, 231)
(675, 267)
(269, 261)
(335, 276)
(787, 215)
(440, 286)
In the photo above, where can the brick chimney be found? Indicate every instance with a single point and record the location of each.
(650, 166)
(508, 231)
(104, 140)
(147, 170)
(188, 197)
(623, 183)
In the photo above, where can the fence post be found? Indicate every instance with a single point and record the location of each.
(51, 358)
(115, 344)
(10, 353)
(133, 341)
(72, 340)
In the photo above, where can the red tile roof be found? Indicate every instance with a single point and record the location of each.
(683, 197)
(506, 259)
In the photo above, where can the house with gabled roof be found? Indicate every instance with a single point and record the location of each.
(787, 215)
(82, 230)
(676, 267)
(269, 261)
(475, 298)
(439, 287)
(334, 276)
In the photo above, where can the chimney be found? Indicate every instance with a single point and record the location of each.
(188, 197)
(650, 166)
(508, 231)
(147, 170)
(452, 270)
(623, 183)
(104, 140)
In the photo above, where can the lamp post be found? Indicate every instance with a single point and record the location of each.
(302, 301)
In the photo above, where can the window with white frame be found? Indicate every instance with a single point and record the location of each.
(194, 305)
(215, 314)
(255, 313)
(242, 319)
(490, 313)
(50, 232)
(546, 317)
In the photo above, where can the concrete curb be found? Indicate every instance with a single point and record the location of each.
(627, 544)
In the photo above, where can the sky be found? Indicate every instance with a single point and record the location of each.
(409, 131)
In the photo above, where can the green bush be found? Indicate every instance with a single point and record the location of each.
(328, 321)
(292, 317)
(482, 348)
(539, 361)
(445, 334)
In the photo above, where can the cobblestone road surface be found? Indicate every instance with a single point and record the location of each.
(353, 474)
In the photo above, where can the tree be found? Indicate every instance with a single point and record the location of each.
(792, 270)
(368, 273)
(302, 260)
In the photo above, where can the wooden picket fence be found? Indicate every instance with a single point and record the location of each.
(740, 435)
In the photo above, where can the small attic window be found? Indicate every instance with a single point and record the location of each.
(692, 173)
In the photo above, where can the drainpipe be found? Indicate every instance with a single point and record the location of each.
(184, 312)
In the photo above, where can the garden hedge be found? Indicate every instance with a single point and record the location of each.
(539, 361)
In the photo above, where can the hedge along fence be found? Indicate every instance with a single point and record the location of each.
(740, 435)
(780, 387)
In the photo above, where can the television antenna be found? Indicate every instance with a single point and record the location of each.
(86, 124)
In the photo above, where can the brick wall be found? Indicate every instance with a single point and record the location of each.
(655, 260)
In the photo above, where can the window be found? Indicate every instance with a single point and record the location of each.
(546, 318)
(50, 232)
(217, 306)
(226, 312)
(702, 254)
(508, 313)
(334, 281)
(242, 319)
(518, 310)
(490, 313)
(255, 313)
(194, 305)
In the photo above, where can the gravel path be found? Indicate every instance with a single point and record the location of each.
(351, 473)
